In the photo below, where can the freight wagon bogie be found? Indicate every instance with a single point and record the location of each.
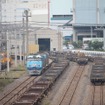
(97, 82)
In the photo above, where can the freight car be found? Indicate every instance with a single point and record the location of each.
(37, 63)
(98, 74)
(82, 61)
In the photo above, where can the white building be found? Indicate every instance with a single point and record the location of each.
(12, 10)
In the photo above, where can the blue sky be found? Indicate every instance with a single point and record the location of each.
(61, 6)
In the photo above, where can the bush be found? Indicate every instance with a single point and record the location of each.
(96, 45)
(77, 44)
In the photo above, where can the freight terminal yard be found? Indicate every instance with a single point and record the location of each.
(52, 52)
(65, 82)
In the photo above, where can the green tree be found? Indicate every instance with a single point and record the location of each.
(65, 43)
(90, 45)
(80, 44)
(77, 44)
(96, 45)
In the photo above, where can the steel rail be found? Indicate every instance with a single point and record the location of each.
(9, 96)
(70, 85)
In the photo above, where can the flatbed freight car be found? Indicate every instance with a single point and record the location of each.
(98, 74)
(82, 61)
(40, 88)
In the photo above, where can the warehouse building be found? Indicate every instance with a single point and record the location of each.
(50, 40)
(44, 39)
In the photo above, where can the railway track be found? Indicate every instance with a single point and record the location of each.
(98, 95)
(72, 87)
(74, 95)
(12, 95)
(40, 88)
(98, 87)
(20, 88)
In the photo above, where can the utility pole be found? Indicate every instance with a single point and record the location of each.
(26, 14)
(23, 48)
(27, 34)
(0, 11)
(15, 48)
(8, 69)
(48, 13)
(20, 48)
(0, 21)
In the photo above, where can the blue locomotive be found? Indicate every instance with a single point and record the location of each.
(36, 63)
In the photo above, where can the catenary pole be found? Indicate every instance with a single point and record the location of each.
(8, 69)
(23, 48)
(15, 49)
